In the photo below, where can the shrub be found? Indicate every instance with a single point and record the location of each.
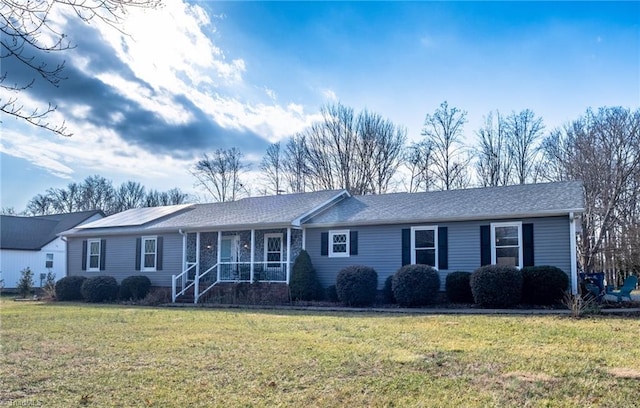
(357, 285)
(304, 284)
(387, 291)
(416, 285)
(331, 294)
(49, 287)
(99, 289)
(68, 288)
(494, 285)
(543, 285)
(25, 284)
(134, 287)
(458, 287)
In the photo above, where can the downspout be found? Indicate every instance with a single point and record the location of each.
(66, 256)
(574, 253)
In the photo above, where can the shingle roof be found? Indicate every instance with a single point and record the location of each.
(263, 211)
(477, 203)
(32, 233)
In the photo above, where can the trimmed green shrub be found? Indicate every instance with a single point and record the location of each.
(25, 284)
(543, 285)
(357, 285)
(304, 284)
(494, 285)
(416, 285)
(458, 287)
(99, 289)
(331, 294)
(387, 291)
(134, 287)
(68, 288)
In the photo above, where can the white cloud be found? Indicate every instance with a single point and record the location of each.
(329, 94)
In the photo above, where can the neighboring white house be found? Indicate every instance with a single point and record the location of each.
(33, 242)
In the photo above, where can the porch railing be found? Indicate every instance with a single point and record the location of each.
(224, 272)
(262, 271)
(182, 282)
(207, 279)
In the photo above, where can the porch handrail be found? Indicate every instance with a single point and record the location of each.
(182, 277)
(197, 294)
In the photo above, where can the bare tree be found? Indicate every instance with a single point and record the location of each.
(219, 174)
(418, 161)
(443, 131)
(98, 194)
(8, 211)
(294, 164)
(130, 194)
(28, 35)
(524, 133)
(381, 146)
(272, 167)
(40, 205)
(603, 150)
(357, 152)
(175, 196)
(493, 165)
(66, 200)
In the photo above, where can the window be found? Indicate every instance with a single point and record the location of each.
(149, 253)
(339, 243)
(48, 261)
(93, 255)
(506, 244)
(273, 250)
(424, 246)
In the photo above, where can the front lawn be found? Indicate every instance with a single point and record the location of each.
(67, 354)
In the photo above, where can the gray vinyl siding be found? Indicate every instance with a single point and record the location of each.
(121, 258)
(380, 247)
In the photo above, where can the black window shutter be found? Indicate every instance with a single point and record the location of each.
(443, 248)
(527, 245)
(353, 243)
(138, 249)
(159, 254)
(485, 245)
(103, 253)
(324, 244)
(406, 246)
(84, 255)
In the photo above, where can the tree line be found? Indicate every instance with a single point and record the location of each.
(367, 154)
(99, 193)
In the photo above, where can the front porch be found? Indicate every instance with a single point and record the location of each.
(214, 257)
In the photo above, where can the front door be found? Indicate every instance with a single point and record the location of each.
(229, 257)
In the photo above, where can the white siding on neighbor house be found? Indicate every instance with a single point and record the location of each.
(380, 247)
(120, 258)
(12, 262)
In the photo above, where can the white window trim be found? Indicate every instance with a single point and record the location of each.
(345, 254)
(266, 247)
(493, 240)
(46, 260)
(142, 254)
(433, 228)
(89, 242)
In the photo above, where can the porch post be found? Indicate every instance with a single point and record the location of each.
(196, 286)
(288, 254)
(219, 256)
(253, 239)
(184, 260)
(304, 238)
(574, 256)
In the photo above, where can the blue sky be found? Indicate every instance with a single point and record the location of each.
(197, 76)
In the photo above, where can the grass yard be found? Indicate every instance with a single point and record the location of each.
(67, 355)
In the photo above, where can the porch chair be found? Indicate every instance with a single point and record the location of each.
(628, 285)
